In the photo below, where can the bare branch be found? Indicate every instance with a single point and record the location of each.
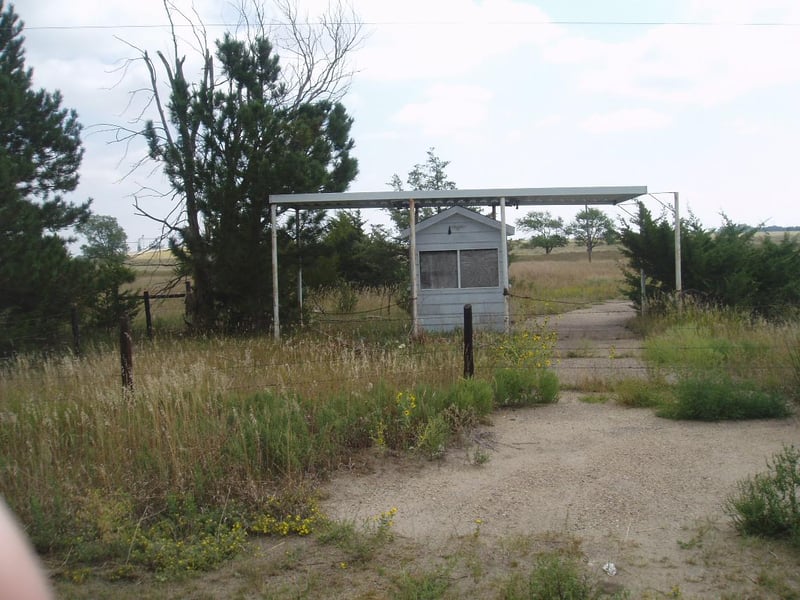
(319, 69)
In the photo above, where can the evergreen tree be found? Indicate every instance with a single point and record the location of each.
(40, 152)
(728, 266)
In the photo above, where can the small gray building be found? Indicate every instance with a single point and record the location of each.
(460, 260)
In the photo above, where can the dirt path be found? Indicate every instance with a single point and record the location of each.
(642, 492)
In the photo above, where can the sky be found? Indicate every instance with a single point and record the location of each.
(699, 97)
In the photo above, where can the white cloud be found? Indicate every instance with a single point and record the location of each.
(701, 65)
(548, 121)
(447, 110)
(419, 39)
(626, 120)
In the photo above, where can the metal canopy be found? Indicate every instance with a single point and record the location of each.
(571, 196)
(561, 196)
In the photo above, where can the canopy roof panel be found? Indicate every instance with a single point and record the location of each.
(562, 196)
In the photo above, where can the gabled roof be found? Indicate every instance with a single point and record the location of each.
(453, 211)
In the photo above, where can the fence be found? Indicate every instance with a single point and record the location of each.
(322, 353)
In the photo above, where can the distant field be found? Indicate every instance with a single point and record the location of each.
(564, 279)
(156, 273)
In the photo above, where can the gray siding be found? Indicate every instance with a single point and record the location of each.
(443, 309)
(465, 234)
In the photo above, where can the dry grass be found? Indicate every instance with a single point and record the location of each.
(563, 280)
(70, 433)
(69, 428)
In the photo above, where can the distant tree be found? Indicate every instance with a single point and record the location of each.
(106, 250)
(590, 228)
(428, 176)
(40, 152)
(548, 231)
(105, 239)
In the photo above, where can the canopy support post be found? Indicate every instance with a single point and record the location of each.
(678, 276)
(412, 261)
(504, 267)
(276, 319)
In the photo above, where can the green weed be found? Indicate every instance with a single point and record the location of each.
(361, 541)
(554, 575)
(639, 393)
(422, 586)
(519, 387)
(768, 504)
(718, 397)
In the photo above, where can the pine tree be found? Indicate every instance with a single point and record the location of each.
(226, 143)
(40, 152)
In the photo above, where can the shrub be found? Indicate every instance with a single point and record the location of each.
(471, 394)
(523, 387)
(728, 266)
(716, 398)
(769, 503)
(554, 576)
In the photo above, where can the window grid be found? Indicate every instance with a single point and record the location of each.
(436, 268)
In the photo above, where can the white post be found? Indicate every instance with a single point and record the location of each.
(299, 263)
(504, 267)
(678, 278)
(276, 320)
(412, 260)
(644, 291)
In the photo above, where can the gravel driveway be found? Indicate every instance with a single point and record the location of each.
(631, 486)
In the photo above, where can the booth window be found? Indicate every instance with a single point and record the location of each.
(447, 268)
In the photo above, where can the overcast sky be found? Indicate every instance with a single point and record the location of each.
(696, 96)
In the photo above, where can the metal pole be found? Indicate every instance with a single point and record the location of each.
(504, 266)
(678, 278)
(276, 320)
(299, 263)
(644, 292)
(412, 260)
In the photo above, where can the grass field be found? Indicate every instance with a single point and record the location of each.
(563, 280)
(222, 439)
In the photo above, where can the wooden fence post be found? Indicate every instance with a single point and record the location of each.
(469, 359)
(126, 352)
(148, 316)
(76, 332)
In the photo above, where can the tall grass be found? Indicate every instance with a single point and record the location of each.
(709, 342)
(207, 417)
(219, 424)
